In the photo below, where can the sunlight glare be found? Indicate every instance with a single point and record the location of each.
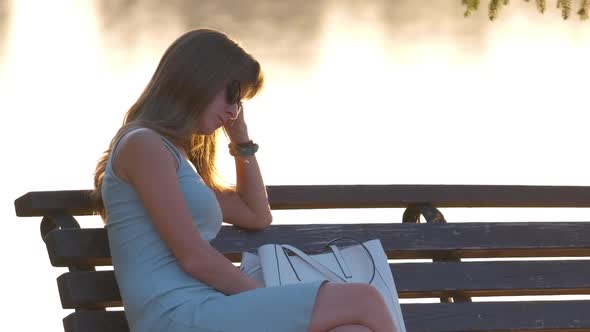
(51, 74)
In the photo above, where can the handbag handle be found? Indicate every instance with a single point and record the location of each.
(309, 260)
(318, 266)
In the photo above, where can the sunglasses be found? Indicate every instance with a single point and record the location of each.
(233, 92)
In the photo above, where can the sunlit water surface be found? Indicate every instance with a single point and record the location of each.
(371, 92)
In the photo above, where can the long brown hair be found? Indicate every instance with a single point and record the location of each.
(194, 68)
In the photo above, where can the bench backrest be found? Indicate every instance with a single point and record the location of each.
(439, 246)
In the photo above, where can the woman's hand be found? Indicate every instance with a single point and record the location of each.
(236, 129)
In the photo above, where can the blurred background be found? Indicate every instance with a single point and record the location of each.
(357, 92)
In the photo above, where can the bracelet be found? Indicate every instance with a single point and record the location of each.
(243, 149)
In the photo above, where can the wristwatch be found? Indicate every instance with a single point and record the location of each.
(243, 149)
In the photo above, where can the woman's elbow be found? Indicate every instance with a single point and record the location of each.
(267, 220)
(261, 222)
(192, 267)
(197, 263)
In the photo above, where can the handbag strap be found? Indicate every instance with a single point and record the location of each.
(364, 247)
(341, 262)
(314, 263)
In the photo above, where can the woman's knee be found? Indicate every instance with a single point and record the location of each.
(366, 295)
(340, 304)
(352, 291)
(351, 328)
(355, 294)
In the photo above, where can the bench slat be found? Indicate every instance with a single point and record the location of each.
(399, 196)
(43, 203)
(96, 321)
(428, 317)
(517, 239)
(413, 280)
(498, 316)
(76, 202)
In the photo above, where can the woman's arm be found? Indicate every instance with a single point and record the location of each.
(150, 168)
(247, 206)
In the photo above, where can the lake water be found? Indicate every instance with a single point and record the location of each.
(357, 92)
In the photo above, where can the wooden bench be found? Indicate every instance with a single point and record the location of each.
(442, 275)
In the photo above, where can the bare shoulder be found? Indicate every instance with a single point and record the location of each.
(137, 148)
(150, 168)
(141, 138)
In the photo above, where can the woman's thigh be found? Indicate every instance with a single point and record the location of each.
(283, 308)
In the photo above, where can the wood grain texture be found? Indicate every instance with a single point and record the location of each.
(529, 316)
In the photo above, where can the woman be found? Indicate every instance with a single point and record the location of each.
(162, 204)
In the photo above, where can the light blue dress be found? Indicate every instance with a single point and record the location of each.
(159, 296)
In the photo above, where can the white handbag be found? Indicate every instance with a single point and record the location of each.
(283, 264)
